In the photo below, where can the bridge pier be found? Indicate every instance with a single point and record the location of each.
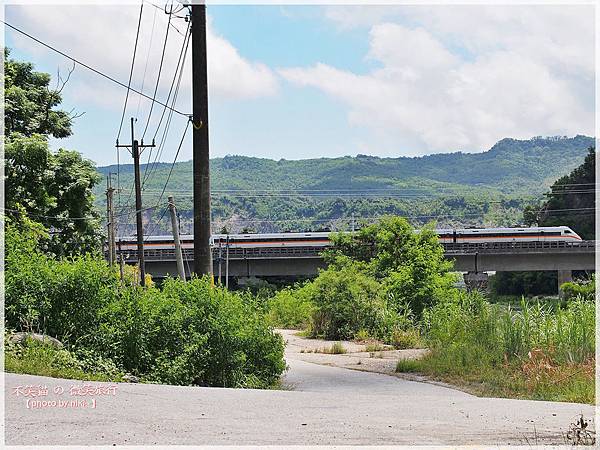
(476, 281)
(564, 276)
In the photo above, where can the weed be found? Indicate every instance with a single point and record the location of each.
(335, 349)
(374, 347)
(402, 339)
(407, 365)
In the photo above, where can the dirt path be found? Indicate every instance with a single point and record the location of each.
(356, 356)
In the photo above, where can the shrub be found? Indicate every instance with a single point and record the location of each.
(362, 335)
(184, 333)
(336, 349)
(585, 289)
(192, 333)
(409, 264)
(403, 339)
(60, 298)
(347, 300)
(291, 308)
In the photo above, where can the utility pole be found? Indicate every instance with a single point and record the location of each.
(121, 264)
(201, 169)
(220, 261)
(175, 226)
(110, 220)
(227, 262)
(135, 152)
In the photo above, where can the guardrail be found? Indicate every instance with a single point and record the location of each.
(314, 252)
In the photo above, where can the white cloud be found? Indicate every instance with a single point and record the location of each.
(462, 77)
(103, 36)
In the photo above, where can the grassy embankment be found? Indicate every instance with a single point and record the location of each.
(540, 352)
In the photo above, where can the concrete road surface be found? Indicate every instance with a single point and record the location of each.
(327, 405)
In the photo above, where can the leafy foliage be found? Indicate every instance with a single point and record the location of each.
(574, 193)
(55, 189)
(583, 289)
(378, 282)
(410, 265)
(348, 300)
(291, 308)
(186, 333)
(29, 102)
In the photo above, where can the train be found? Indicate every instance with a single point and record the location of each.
(321, 239)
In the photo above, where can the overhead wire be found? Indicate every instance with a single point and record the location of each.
(176, 80)
(137, 35)
(137, 112)
(170, 173)
(162, 59)
(98, 72)
(176, 83)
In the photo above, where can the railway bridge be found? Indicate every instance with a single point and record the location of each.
(475, 259)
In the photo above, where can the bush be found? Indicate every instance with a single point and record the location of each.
(192, 333)
(585, 289)
(291, 308)
(347, 302)
(409, 264)
(184, 333)
(403, 339)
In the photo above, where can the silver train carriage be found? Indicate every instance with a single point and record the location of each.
(321, 239)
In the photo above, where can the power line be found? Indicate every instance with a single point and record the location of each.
(175, 83)
(137, 112)
(108, 77)
(137, 35)
(41, 216)
(170, 172)
(162, 58)
(325, 220)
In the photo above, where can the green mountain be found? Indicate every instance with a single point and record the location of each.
(488, 188)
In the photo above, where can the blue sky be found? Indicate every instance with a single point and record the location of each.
(312, 81)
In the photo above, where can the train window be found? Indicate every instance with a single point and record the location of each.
(567, 231)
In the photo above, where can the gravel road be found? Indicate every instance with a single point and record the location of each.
(323, 405)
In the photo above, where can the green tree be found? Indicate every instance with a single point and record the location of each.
(54, 189)
(571, 201)
(409, 263)
(29, 102)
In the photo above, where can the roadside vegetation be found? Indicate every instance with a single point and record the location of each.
(392, 286)
(183, 333)
(58, 284)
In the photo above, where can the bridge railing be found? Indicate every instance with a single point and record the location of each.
(493, 247)
(314, 252)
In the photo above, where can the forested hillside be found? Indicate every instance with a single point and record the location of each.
(488, 188)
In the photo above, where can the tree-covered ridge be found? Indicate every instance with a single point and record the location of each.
(510, 166)
(457, 189)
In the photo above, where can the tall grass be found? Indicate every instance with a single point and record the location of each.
(567, 335)
(536, 351)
